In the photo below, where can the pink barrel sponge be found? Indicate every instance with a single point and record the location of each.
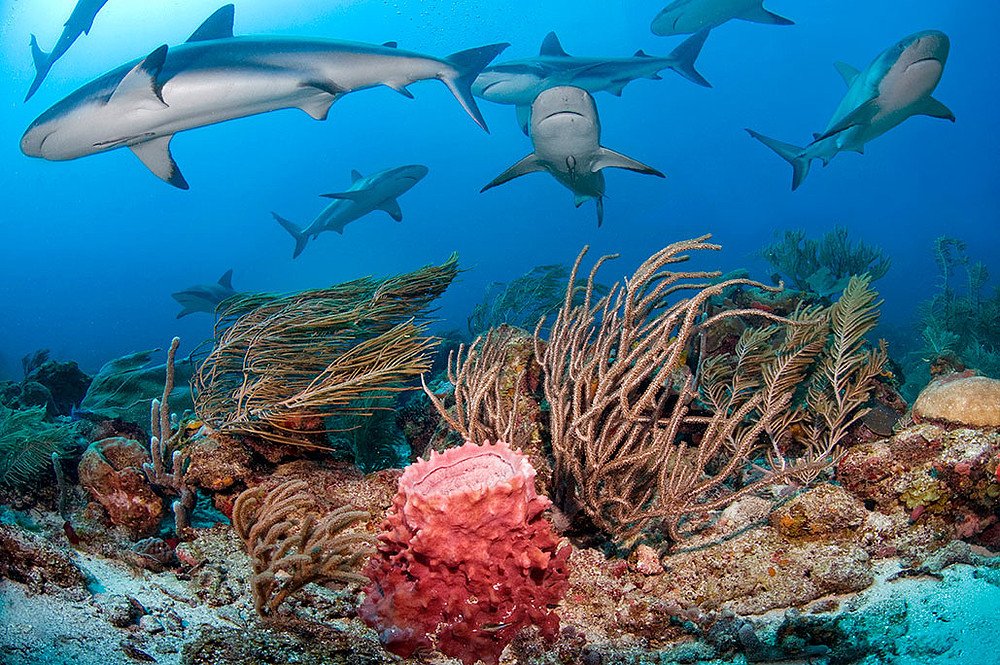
(467, 558)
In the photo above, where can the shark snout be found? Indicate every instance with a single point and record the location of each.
(931, 45)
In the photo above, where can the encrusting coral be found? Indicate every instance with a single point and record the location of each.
(292, 544)
(282, 364)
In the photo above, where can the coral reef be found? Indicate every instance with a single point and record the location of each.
(124, 387)
(292, 544)
(467, 559)
(824, 266)
(960, 399)
(282, 364)
(111, 470)
(27, 444)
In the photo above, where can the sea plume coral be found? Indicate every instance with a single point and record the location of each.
(467, 558)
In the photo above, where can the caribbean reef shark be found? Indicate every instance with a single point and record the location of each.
(79, 23)
(215, 77)
(205, 297)
(519, 82)
(896, 85)
(684, 16)
(366, 194)
(565, 132)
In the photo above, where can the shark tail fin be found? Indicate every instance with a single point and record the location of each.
(792, 154)
(468, 64)
(300, 238)
(683, 57)
(42, 65)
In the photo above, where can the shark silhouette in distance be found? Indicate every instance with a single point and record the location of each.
(79, 23)
(205, 297)
(686, 16)
(519, 82)
(215, 77)
(366, 194)
(565, 132)
(896, 85)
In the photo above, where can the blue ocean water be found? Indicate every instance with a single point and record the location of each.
(91, 249)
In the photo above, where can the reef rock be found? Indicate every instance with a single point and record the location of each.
(111, 471)
(960, 399)
(467, 558)
(32, 560)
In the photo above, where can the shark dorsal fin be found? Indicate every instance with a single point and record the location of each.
(139, 89)
(847, 72)
(552, 47)
(355, 176)
(155, 154)
(227, 279)
(641, 54)
(390, 44)
(217, 26)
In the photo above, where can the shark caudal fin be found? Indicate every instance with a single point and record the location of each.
(300, 238)
(468, 64)
(42, 66)
(684, 56)
(792, 154)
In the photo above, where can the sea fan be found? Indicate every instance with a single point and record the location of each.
(27, 443)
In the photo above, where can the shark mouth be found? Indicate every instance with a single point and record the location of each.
(564, 113)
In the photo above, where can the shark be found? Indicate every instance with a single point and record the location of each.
(518, 82)
(205, 297)
(80, 21)
(214, 77)
(686, 16)
(366, 194)
(565, 133)
(895, 86)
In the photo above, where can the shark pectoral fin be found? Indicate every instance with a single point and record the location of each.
(391, 206)
(552, 47)
(185, 312)
(346, 196)
(933, 108)
(523, 117)
(616, 89)
(760, 15)
(318, 106)
(217, 26)
(355, 176)
(611, 159)
(846, 71)
(529, 164)
(685, 54)
(155, 154)
(859, 116)
(139, 89)
(227, 279)
(401, 89)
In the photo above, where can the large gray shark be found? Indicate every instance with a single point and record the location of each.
(215, 77)
(366, 194)
(896, 85)
(685, 16)
(518, 82)
(205, 297)
(79, 23)
(565, 132)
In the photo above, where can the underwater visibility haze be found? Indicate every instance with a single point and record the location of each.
(847, 151)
